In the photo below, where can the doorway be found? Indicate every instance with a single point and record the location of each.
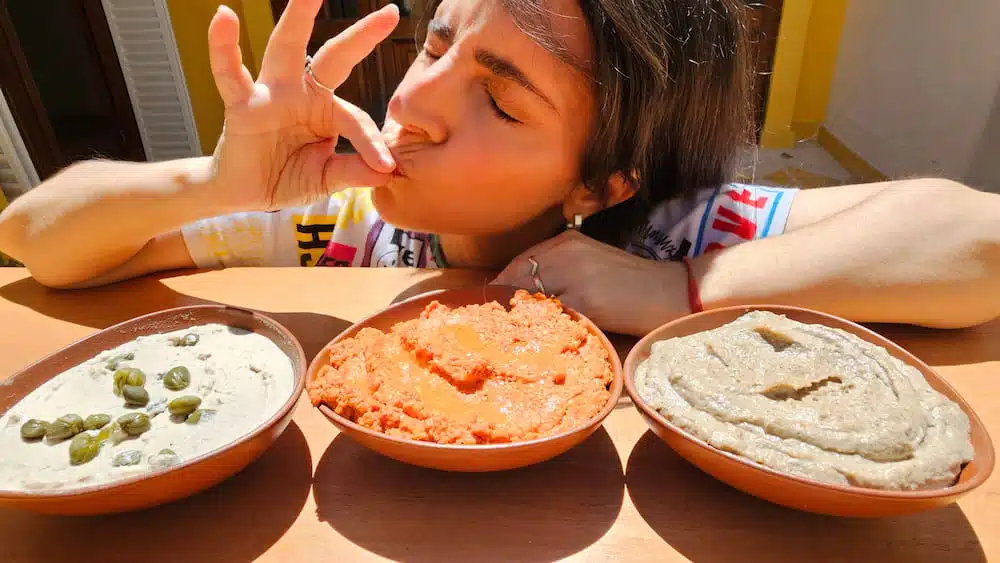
(61, 75)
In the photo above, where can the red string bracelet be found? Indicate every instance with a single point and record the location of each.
(694, 296)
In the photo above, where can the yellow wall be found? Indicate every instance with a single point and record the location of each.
(804, 63)
(190, 19)
(806, 58)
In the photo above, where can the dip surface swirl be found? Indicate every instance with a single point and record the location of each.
(473, 375)
(808, 400)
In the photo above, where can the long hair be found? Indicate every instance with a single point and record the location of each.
(672, 81)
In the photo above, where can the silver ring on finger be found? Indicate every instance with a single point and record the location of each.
(312, 75)
(535, 277)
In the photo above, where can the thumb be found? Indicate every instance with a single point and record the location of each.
(350, 171)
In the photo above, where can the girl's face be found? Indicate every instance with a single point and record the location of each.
(488, 127)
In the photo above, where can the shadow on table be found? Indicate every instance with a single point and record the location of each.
(443, 280)
(100, 308)
(706, 520)
(235, 521)
(539, 513)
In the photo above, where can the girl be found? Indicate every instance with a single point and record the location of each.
(584, 144)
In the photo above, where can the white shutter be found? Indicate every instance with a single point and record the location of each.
(148, 55)
(17, 173)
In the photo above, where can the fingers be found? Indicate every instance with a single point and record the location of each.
(551, 257)
(232, 79)
(359, 128)
(333, 62)
(285, 55)
(350, 170)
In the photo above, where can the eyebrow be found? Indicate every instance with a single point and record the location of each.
(497, 65)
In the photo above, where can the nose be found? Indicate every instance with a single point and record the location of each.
(424, 103)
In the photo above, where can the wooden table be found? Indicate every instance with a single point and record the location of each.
(621, 496)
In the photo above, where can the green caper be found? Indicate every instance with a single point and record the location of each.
(83, 448)
(34, 429)
(135, 395)
(64, 427)
(75, 421)
(183, 406)
(128, 457)
(115, 361)
(164, 459)
(196, 416)
(177, 378)
(59, 430)
(112, 432)
(96, 421)
(134, 423)
(128, 376)
(189, 339)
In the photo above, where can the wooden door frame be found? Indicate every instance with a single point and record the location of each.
(114, 75)
(24, 102)
(28, 110)
(763, 66)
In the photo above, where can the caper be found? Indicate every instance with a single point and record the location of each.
(96, 421)
(134, 423)
(115, 433)
(164, 459)
(64, 427)
(83, 448)
(183, 406)
(189, 339)
(75, 421)
(34, 429)
(105, 432)
(59, 430)
(177, 378)
(135, 395)
(115, 361)
(128, 376)
(128, 457)
(196, 416)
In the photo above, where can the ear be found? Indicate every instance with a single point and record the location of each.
(582, 201)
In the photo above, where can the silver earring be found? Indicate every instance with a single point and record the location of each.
(575, 223)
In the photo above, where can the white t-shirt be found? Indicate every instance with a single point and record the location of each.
(345, 230)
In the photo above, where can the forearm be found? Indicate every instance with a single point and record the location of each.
(96, 215)
(932, 260)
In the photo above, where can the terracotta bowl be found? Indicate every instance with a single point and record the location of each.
(476, 458)
(191, 476)
(797, 492)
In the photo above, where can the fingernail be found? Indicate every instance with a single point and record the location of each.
(392, 7)
(386, 157)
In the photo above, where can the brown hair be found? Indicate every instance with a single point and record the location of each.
(671, 80)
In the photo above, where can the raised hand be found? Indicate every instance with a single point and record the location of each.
(277, 145)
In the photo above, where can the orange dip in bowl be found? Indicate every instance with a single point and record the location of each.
(477, 374)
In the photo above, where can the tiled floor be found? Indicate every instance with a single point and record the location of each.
(806, 165)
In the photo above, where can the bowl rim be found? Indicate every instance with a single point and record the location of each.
(615, 389)
(988, 457)
(289, 404)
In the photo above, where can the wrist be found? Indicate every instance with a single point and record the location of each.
(197, 187)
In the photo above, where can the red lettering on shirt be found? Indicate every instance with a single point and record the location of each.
(736, 224)
(746, 196)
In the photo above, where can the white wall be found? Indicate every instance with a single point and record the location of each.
(916, 84)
